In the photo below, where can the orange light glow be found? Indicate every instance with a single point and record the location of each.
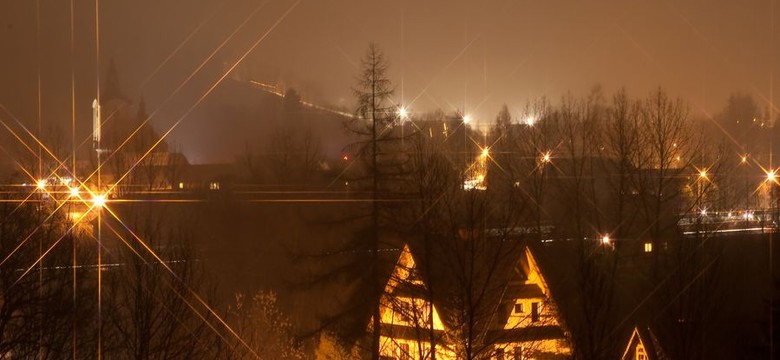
(403, 113)
(99, 200)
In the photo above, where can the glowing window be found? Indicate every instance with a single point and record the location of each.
(518, 353)
(214, 185)
(648, 247)
(640, 353)
(499, 354)
(519, 309)
(405, 355)
(534, 312)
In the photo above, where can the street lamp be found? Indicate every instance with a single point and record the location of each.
(546, 157)
(771, 178)
(99, 200)
(403, 114)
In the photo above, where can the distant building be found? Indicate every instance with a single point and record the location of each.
(643, 345)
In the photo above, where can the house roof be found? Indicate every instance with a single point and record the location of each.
(523, 334)
(407, 332)
(515, 275)
(643, 335)
(523, 291)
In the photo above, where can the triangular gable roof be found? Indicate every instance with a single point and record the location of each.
(532, 271)
(405, 282)
(645, 337)
(403, 271)
(529, 283)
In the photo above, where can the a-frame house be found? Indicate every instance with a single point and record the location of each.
(411, 327)
(528, 322)
(643, 345)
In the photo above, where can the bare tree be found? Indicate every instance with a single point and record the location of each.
(266, 331)
(667, 156)
(44, 312)
(153, 310)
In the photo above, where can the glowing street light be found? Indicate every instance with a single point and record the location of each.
(546, 157)
(466, 119)
(703, 174)
(771, 176)
(41, 184)
(485, 152)
(99, 200)
(744, 159)
(403, 113)
(74, 192)
(605, 239)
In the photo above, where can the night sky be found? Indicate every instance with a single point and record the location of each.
(452, 55)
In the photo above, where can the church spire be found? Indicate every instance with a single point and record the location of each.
(141, 115)
(111, 89)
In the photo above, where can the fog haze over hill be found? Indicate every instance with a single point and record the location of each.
(456, 56)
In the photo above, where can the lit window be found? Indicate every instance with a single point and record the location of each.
(214, 185)
(404, 355)
(519, 308)
(499, 354)
(640, 352)
(535, 312)
(518, 353)
(181, 185)
(648, 247)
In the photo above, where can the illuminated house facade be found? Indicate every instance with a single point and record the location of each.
(643, 345)
(525, 325)
(410, 323)
(528, 319)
